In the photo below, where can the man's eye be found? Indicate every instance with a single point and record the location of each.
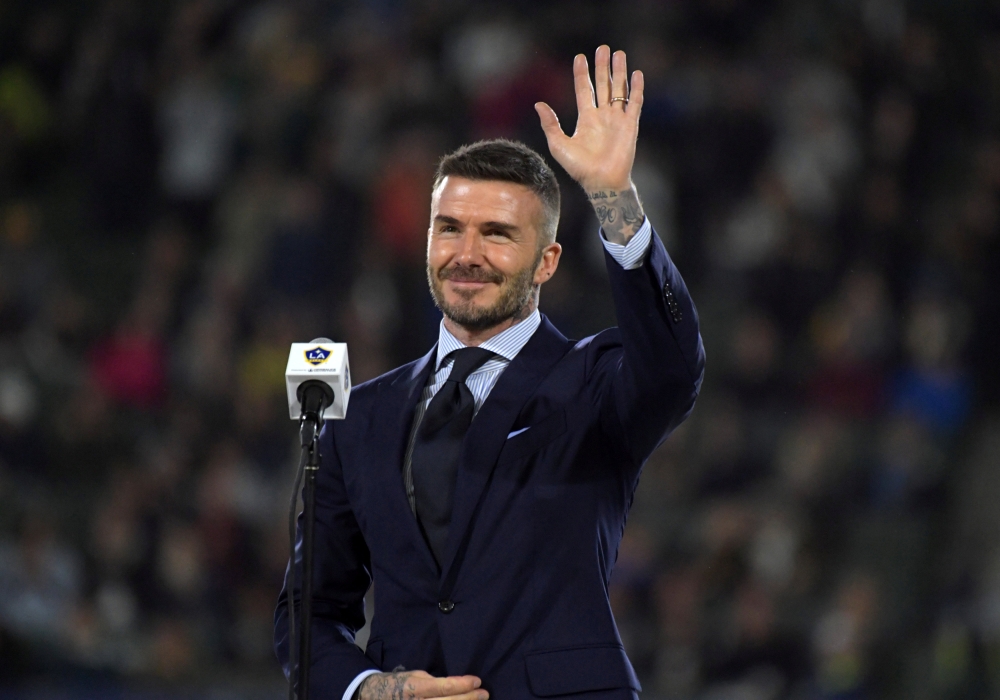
(497, 232)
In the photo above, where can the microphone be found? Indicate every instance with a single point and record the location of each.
(318, 383)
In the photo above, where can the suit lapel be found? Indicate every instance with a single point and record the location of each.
(394, 412)
(489, 429)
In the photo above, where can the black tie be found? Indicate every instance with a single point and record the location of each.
(438, 447)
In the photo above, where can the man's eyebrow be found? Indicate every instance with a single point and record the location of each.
(500, 225)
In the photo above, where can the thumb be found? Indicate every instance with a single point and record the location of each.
(550, 122)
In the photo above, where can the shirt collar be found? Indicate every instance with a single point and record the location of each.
(506, 344)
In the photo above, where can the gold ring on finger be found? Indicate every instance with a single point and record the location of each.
(619, 99)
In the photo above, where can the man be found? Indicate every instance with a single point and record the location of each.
(493, 538)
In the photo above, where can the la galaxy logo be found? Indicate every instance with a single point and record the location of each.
(317, 355)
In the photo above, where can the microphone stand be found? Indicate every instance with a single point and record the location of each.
(308, 529)
(315, 397)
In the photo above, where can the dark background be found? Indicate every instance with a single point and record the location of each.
(188, 187)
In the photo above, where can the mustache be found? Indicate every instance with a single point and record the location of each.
(471, 274)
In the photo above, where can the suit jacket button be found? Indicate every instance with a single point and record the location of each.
(446, 606)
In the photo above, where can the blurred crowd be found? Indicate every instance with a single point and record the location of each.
(186, 187)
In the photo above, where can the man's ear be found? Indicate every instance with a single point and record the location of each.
(548, 263)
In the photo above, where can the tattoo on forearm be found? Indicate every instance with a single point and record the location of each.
(620, 213)
(386, 686)
(601, 195)
(606, 215)
(632, 214)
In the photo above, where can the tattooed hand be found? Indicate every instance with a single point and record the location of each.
(601, 151)
(412, 685)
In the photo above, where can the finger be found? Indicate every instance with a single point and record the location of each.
(602, 74)
(634, 106)
(550, 122)
(581, 82)
(619, 76)
(446, 687)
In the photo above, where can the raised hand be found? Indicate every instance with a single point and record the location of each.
(600, 153)
(416, 685)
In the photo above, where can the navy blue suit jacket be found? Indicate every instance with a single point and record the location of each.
(521, 599)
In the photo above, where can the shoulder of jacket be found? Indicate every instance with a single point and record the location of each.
(608, 339)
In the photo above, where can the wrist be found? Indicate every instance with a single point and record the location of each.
(361, 687)
(597, 192)
(619, 212)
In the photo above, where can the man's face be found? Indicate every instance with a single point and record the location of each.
(483, 253)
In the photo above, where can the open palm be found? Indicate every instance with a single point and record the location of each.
(600, 152)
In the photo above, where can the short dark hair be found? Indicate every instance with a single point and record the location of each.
(507, 161)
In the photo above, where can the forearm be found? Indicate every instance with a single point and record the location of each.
(618, 211)
(336, 659)
(663, 359)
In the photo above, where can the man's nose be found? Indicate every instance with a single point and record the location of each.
(471, 250)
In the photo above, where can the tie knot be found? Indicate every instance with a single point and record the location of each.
(467, 361)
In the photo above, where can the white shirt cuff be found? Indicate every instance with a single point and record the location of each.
(631, 255)
(356, 683)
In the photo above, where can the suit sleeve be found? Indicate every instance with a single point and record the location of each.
(342, 568)
(656, 376)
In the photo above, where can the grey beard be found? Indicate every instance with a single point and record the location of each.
(514, 302)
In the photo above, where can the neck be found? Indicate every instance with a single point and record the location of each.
(474, 337)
